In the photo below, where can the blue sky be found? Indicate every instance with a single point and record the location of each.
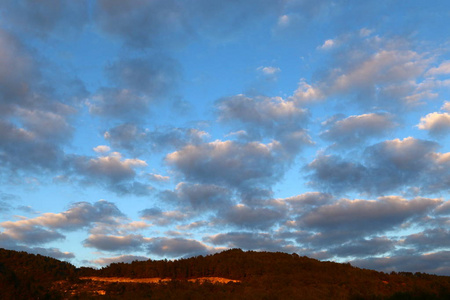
(166, 129)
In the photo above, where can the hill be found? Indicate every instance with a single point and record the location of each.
(256, 275)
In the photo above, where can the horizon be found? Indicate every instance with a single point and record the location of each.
(166, 129)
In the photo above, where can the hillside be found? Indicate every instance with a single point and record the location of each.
(257, 275)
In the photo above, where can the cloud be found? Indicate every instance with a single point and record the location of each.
(22, 150)
(306, 93)
(112, 166)
(46, 125)
(371, 72)
(102, 149)
(428, 240)
(152, 76)
(35, 117)
(244, 216)
(176, 247)
(364, 247)
(46, 16)
(118, 103)
(158, 178)
(44, 228)
(327, 44)
(356, 129)
(269, 70)
(104, 261)
(432, 263)
(311, 199)
(265, 117)
(19, 72)
(233, 164)
(437, 124)
(29, 234)
(444, 208)
(8, 242)
(446, 106)
(112, 171)
(131, 242)
(199, 197)
(250, 241)
(162, 218)
(131, 137)
(384, 167)
(143, 24)
(364, 217)
(80, 215)
(442, 69)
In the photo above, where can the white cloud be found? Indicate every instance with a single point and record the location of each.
(327, 44)
(443, 69)
(102, 149)
(436, 123)
(158, 177)
(284, 20)
(306, 93)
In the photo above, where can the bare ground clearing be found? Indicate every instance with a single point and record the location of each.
(158, 280)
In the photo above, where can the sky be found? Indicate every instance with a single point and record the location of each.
(165, 129)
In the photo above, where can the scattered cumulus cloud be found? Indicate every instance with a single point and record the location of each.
(357, 129)
(436, 123)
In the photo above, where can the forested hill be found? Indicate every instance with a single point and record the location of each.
(262, 275)
(29, 276)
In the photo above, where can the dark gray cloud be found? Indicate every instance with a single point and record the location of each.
(332, 173)
(223, 20)
(18, 73)
(233, 164)
(25, 78)
(432, 263)
(266, 118)
(136, 139)
(118, 103)
(143, 24)
(367, 216)
(355, 130)
(159, 217)
(311, 199)
(111, 171)
(8, 242)
(43, 17)
(21, 150)
(364, 248)
(136, 83)
(44, 228)
(176, 247)
(5, 201)
(81, 214)
(29, 234)
(251, 241)
(443, 209)
(385, 167)
(36, 118)
(244, 216)
(428, 240)
(129, 242)
(199, 197)
(371, 72)
(152, 76)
